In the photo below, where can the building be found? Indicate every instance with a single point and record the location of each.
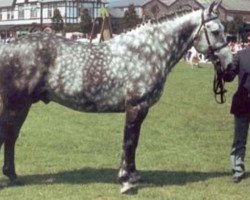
(17, 16)
(155, 8)
(158, 8)
(147, 9)
(231, 8)
(152, 8)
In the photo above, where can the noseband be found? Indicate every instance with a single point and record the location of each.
(218, 84)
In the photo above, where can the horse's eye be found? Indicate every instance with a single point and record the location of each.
(215, 33)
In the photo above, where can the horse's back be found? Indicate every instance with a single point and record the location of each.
(50, 68)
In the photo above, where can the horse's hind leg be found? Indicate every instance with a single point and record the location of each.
(11, 120)
(128, 175)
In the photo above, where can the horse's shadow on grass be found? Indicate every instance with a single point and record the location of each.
(108, 175)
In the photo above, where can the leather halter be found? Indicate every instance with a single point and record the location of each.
(218, 85)
(211, 49)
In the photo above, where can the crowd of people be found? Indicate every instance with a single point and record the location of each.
(237, 46)
(195, 59)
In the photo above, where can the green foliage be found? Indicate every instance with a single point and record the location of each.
(86, 20)
(183, 152)
(130, 18)
(57, 21)
(234, 26)
(72, 28)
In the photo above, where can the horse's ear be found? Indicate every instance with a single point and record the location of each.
(213, 8)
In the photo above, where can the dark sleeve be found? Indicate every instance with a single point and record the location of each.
(232, 70)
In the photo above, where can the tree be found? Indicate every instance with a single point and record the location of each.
(86, 19)
(233, 27)
(57, 21)
(131, 19)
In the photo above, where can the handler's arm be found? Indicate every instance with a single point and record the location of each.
(232, 70)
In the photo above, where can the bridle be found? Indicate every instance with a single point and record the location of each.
(218, 84)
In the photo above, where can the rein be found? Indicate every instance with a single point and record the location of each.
(218, 83)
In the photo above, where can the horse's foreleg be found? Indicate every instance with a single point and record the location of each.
(11, 122)
(9, 153)
(128, 175)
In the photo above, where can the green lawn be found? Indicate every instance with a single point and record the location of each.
(183, 151)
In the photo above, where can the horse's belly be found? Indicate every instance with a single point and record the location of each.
(102, 102)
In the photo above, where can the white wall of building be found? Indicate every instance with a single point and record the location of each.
(20, 1)
(11, 16)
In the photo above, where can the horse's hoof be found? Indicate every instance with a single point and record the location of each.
(129, 188)
(15, 182)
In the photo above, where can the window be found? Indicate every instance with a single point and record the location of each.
(20, 12)
(33, 11)
(60, 5)
(50, 11)
(10, 14)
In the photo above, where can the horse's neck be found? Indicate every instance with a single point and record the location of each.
(179, 36)
(164, 42)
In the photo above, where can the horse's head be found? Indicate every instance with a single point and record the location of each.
(210, 38)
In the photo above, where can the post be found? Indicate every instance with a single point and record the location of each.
(41, 14)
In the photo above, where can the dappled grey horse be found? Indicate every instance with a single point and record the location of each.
(125, 74)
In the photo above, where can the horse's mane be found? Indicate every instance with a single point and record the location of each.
(166, 17)
(170, 16)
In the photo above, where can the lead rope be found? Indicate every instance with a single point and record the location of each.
(219, 83)
(219, 89)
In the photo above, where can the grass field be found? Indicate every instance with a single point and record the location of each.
(183, 152)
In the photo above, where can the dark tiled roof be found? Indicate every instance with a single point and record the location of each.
(236, 5)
